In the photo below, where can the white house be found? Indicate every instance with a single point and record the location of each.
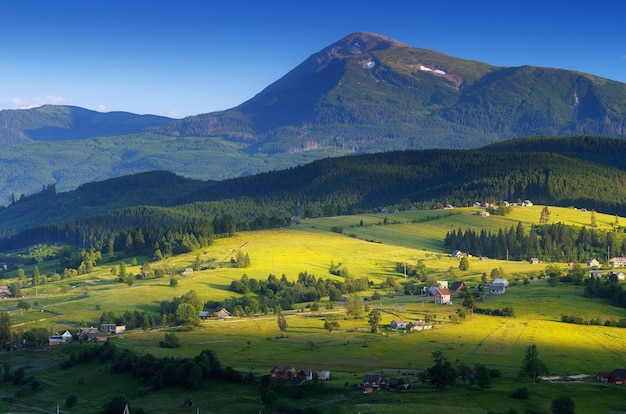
(500, 281)
(593, 263)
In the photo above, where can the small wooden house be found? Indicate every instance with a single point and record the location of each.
(442, 296)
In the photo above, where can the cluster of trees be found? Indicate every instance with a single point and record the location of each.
(579, 320)
(552, 242)
(159, 373)
(133, 319)
(184, 310)
(610, 288)
(507, 311)
(282, 293)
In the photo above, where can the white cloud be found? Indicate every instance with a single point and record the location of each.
(36, 101)
(623, 58)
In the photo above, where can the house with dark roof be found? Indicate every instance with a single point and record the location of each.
(372, 383)
(456, 287)
(398, 324)
(284, 372)
(91, 334)
(618, 376)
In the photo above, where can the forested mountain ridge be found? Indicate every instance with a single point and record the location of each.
(369, 93)
(403, 179)
(62, 123)
(363, 94)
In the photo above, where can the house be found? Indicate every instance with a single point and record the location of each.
(617, 261)
(91, 334)
(323, 375)
(373, 382)
(459, 254)
(527, 203)
(593, 263)
(419, 325)
(306, 375)
(620, 276)
(500, 281)
(223, 314)
(5, 292)
(533, 260)
(67, 336)
(494, 289)
(398, 324)
(284, 372)
(442, 284)
(457, 287)
(187, 271)
(618, 376)
(442, 296)
(113, 329)
(399, 384)
(483, 214)
(431, 291)
(203, 315)
(55, 340)
(603, 376)
(595, 274)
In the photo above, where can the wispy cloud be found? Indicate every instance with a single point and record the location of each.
(623, 58)
(33, 102)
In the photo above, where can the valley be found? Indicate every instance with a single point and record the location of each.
(254, 344)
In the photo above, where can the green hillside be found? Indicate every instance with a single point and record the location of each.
(253, 345)
(404, 180)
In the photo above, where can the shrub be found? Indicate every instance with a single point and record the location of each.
(520, 393)
(71, 400)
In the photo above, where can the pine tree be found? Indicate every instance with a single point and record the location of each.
(545, 216)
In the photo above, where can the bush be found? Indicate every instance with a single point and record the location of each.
(71, 400)
(170, 341)
(520, 393)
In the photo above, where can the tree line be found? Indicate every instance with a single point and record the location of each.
(425, 179)
(551, 242)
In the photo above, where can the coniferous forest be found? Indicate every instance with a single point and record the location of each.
(174, 213)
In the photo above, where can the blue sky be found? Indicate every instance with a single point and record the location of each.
(186, 57)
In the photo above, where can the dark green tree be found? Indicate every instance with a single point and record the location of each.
(532, 366)
(563, 405)
(5, 329)
(464, 264)
(442, 374)
(545, 216)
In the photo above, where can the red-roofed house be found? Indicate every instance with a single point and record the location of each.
(442, 296)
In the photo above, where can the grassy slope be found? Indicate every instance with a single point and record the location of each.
(256, 344)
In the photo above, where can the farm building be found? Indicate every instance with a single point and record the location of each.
(442, 296)
(306, 375)
(284, 372)
(323, 375)
(457, 287)
(112, 328)
(398, 324)
(372, 382)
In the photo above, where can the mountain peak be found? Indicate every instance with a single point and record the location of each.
(359, 43)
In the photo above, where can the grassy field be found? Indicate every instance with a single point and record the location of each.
(370, 250)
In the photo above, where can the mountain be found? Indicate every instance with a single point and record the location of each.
(364, 94)
(368, 93)
(61, 123)
(402, 179)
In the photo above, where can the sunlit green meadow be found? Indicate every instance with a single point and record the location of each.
(370, 250)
